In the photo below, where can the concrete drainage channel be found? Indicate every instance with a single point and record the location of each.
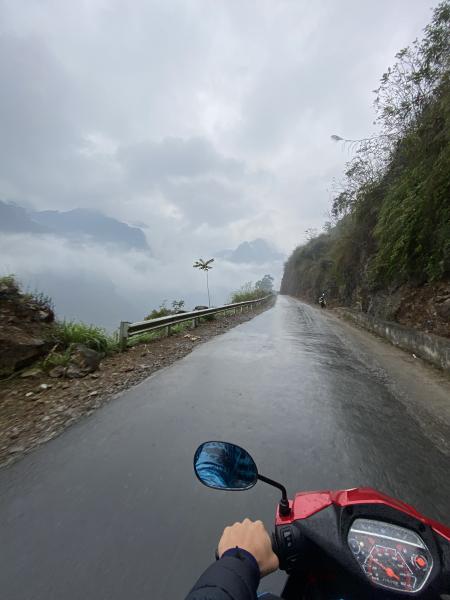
(430, 347)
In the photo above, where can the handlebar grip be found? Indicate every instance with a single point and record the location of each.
(288, 543)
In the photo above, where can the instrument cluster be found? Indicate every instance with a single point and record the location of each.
(392, 557)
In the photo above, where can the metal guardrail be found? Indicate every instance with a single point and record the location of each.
(127, 329)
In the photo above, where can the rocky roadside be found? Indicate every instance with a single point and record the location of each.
(425, 308)
(36, 409)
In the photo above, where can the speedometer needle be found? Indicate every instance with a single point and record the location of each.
(389, 572)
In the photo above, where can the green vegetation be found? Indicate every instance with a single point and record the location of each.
(43, 301)
(392, 211)
(265, 284)
(35, 315)
(145, 338)
(55, 359)
(180, 327)
(164, 311)
(10, 285)
(64, 334)
(9, 282)
(151, 336)
(69, 332)
(248, 291)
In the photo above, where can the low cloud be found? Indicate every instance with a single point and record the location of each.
(104, 285)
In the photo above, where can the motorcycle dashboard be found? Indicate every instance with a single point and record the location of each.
(390, 556)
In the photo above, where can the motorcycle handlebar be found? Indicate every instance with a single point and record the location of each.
(287, 544)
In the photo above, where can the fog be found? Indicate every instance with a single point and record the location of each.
(106, 285)
(204, 124)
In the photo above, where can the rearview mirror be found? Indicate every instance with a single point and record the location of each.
(224, 466)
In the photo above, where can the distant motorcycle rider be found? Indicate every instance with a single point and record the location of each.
(322, 300)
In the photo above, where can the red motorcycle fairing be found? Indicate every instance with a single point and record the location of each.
(306, 504)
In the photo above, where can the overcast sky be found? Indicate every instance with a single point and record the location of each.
(206, 122)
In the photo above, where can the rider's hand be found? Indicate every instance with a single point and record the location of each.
(253, 537)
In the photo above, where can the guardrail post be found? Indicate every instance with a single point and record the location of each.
(123, 335)
(166, 330)
(194, 323)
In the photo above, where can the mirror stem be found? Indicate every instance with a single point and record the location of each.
(284, 507)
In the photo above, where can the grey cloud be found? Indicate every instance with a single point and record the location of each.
(208, 201)
(42, 159)
(45, 155)
(204, 185)
(36, 116)
(150, 162)
(332, 66)
(210, 122)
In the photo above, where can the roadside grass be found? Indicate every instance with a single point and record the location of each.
(144, 338)
(55, 359)
(151, 336)
(208, 318)
(70, 332)
(180, 327)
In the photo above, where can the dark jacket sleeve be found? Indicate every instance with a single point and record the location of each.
(230, 578)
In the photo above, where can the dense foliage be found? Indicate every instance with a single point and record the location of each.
(392, 210)
(250, 291)
(165, 311)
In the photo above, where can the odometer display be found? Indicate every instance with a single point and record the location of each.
(390, 556)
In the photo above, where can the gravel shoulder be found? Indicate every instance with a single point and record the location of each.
(33, 411)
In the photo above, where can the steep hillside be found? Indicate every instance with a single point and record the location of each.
(388, 251)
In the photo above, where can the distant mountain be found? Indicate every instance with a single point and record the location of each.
(16, 219)
(77, 224)
(94, 225)
(257, 252)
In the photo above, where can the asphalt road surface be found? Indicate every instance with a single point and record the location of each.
(111, 510)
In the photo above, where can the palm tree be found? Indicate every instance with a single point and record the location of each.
(204, 265)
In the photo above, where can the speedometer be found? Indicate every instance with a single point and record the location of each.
(392, 557)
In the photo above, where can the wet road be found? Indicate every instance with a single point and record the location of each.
(112, 510)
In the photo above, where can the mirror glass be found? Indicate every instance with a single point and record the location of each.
(224, 466)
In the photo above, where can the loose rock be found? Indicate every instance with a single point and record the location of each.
(44, 386)
(83, 360)
(443, 309)
(17, 349)
(58, 371)
(34, 372)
